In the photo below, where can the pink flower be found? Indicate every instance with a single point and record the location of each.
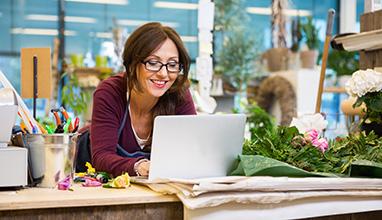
(311, 135)
(321, 144)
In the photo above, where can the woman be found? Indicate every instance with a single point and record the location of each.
(125, 105)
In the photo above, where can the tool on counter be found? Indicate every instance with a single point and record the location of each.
(329, 28)
(76, 124)
(60, 126)
(67, 119)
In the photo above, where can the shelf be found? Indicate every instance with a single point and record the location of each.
(335, 90)
(369, 40)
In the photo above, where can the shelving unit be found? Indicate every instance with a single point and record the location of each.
(367, 41)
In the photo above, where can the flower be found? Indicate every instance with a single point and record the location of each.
(306, 123)
(312, 136)
(321, 144)
(364, 81)
(366, 86)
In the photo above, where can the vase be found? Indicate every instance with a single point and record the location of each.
(373, 126)
(308, 58)
(240, 101)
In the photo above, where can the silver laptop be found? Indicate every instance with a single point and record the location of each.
(195, 146)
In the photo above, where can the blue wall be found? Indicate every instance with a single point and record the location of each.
(14, 14)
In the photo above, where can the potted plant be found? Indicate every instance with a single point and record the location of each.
(310, 35)
(295, 47)
(235, 47)
(277, 56)
(366, 87)
(343, 63)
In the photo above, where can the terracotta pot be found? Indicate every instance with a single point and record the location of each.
(308, 58)
(276, 58)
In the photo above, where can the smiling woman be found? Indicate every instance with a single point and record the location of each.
(155, 83)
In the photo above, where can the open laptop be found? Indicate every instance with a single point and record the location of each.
(195, 146)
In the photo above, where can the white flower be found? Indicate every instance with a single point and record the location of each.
(364, 81)
(306, 123)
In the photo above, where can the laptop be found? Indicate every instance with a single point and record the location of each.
(195, 146)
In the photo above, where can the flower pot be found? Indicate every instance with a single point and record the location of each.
(276, 58)
(308, 58)
(373, 126)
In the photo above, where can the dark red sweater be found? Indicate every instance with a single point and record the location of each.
(109, 105)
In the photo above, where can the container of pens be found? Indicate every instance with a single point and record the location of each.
(51, 157)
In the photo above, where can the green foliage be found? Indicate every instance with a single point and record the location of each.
(287, 145)
(344, 151)
(73, 96)
(259, 120)
(373, 101)
(296, 34)
(343, 62)
(310, 33)
(237, 51)
(237, 59)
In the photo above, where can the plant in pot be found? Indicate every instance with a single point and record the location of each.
(310, 36)
(343, 63)
(236, 48)
(296, 40)
(277, 56)
(366, 87)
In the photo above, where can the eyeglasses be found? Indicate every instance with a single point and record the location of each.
(156, 66)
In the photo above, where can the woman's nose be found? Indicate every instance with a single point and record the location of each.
(163, 72)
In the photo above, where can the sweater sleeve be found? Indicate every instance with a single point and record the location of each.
(107, 115)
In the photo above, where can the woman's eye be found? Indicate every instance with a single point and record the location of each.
(173, 64)
(153, 62)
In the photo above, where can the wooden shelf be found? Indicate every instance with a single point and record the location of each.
(367, 41)
(335, 90)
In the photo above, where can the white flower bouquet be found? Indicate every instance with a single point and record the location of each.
(366, 86)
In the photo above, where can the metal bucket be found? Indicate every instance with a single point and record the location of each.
(51, 156)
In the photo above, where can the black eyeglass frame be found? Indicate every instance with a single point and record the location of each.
(163, 64)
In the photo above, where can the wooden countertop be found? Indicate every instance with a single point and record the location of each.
(38, 198)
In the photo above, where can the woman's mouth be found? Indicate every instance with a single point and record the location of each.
(159, 83)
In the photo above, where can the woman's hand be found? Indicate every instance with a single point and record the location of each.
(143, 168)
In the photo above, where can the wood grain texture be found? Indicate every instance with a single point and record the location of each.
(38, 198)
(157, 211)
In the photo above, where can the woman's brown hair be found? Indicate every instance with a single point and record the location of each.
(141, 44)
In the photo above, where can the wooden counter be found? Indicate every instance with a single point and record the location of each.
(43, 203)
(140, 203)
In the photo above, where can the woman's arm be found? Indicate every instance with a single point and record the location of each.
(108, 111)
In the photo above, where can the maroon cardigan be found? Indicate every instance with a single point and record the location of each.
(109, 105)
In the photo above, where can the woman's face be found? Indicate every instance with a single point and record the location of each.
(156, 83)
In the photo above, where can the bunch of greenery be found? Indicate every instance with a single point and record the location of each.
(286, 144)
(72, 95)
(259, 120)
(343, 62)
(310, 34)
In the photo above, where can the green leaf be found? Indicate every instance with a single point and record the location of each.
(366, 168)
(256, 165)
